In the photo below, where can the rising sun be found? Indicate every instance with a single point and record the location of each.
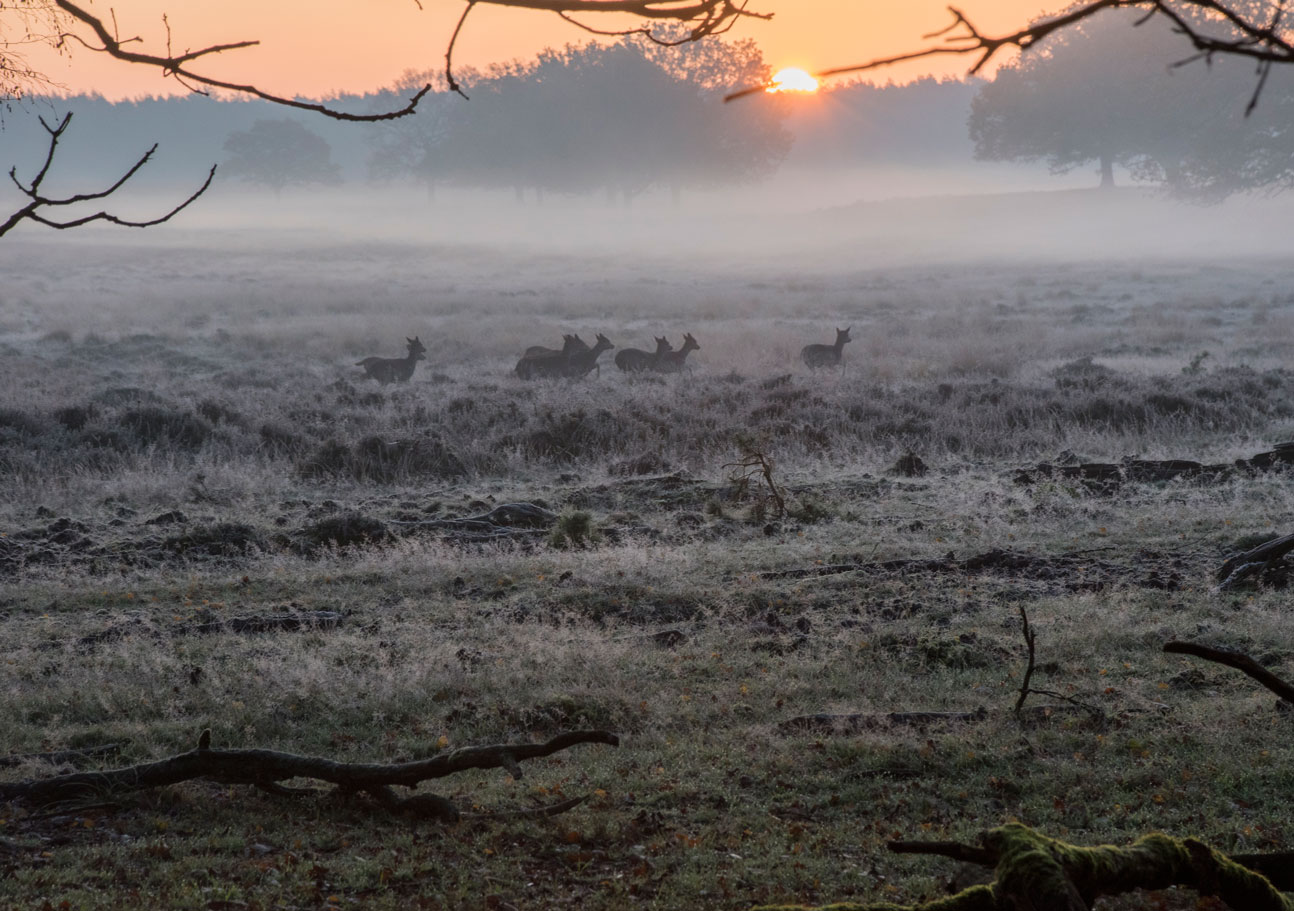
(792, 79)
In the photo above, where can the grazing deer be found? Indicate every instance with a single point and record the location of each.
(673, 361)
(581, 363)
(815, 356)
(635, 360)
(394, 369)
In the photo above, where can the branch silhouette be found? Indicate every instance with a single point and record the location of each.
(1248, 34)
(38, 201)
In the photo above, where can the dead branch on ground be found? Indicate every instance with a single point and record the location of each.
(265, 769)
(1254, 562)
(1238, 660)
(38, 201)
(1033, 871)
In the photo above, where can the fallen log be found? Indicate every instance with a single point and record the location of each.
(1254, 561)
(510, 521)
(1106, 477)
(1037, 873)
(266, 768)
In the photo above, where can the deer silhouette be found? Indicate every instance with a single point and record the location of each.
(571, 344)
(394, 369)
(635, 360)
(581, 363)
(674, 361)
(815, 356)
(574, 360)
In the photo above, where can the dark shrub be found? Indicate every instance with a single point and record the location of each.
(161, 426)
(348, 530)
(566, 437)
(332, 459)
(216, 413)
(21, 423)
(377, 460)
(224, 539)
(74, 417)
(279, 441)
(128, 395)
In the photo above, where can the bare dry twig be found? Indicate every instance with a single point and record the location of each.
(1030, 637)
(754, 464)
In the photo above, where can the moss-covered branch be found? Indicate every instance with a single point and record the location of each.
(1037, 873)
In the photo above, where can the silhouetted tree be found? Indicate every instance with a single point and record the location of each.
(280, 153)
(609, 118)
(1106, 91)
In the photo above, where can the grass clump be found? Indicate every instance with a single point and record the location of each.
(574, 530)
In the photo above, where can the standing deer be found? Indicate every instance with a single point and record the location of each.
(394, 369)
(635, 360)
(815, 356)
(570, 345)
(674, 361)
(581, 363)
(540, 361)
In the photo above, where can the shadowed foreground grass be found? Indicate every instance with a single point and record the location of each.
(162, 482)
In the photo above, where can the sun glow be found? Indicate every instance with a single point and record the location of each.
(792, 79)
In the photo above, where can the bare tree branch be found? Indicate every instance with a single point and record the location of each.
(1244, 34)
(37, 201)
(706, 18)
(1238, 660)
(177, 66)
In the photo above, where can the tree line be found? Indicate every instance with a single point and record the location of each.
(630, 117)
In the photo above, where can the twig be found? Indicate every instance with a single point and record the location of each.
(1029, 638)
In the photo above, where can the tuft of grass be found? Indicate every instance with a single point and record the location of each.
(573, 530)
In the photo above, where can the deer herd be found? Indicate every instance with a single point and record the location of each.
(576, 358)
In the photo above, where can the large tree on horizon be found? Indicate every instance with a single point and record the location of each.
(280, 153)
(618, 118)
(1108, 92)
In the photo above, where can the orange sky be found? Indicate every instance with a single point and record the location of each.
(318, 48)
